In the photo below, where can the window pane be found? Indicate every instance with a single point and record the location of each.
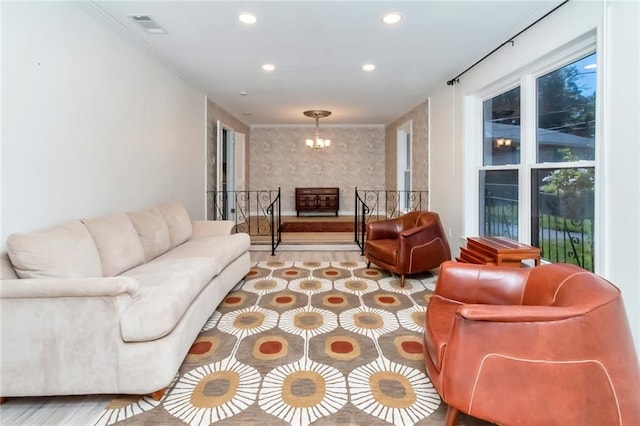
(566, 112)
(499, 209)
(501, 129)
(563, 209)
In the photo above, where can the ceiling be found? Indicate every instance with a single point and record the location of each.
(318, 49)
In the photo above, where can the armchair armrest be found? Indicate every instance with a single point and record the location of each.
(517, 313)
(480, 284)
(211, 228)
(384, 229)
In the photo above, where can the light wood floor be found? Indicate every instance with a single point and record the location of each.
(82, 410)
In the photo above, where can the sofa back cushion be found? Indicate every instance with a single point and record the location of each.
(153, 232)
(178, 221)
(117, 241)
(64, 251)
(6, 268)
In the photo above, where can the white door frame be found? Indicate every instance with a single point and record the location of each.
(404, 139)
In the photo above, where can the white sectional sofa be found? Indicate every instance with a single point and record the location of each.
(111, 304)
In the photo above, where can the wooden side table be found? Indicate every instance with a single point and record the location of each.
(498, 251)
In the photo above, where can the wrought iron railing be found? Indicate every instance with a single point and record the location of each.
(563, 235)
(500, 216)
(376, 204)
(257, 213)
(564, 229)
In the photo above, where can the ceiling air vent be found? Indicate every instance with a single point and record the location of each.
(148, 24)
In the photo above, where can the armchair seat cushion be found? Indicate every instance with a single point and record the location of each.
(383, 250)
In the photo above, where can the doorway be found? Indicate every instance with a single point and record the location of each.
(403, 166)
(221, 172)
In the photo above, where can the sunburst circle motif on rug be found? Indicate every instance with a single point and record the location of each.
(126, 406)
(413, 318)
(291, 273)
(357, 286)
(310, 285)
(202, 348)
(264, 286)
(274, 264)
(410, 347)
(212, 321)
(369, 322)
(331, 273)
(248, 322)
(123, 407)
(392, 392)
(312, 265)
(370, 273)
(269, 348)
(308, 321)
(234, 300)
(283, 300)
(302, 392)
(393, 284)
(213, 392)
(351, 265)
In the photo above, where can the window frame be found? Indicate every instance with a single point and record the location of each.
(526, 78)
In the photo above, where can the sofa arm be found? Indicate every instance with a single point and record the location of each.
(211, 228)
(31, 288)
(516, 313)
(470, 283)
(62, 336)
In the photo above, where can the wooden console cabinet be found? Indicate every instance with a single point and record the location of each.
(317, 200)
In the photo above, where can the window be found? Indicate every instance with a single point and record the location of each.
(539, 185)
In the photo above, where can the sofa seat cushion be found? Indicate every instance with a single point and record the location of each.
(224, 249)
(167, 289)
(384, 250)
(441, 314)
(64, 251)
(118, 244)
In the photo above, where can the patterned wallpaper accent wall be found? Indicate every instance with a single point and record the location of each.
(419, 147)
(279, 158)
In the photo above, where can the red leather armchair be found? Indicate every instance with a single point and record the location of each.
(412, 243)
(548, 345)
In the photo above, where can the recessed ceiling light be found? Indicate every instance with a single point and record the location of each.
(268, 67)
(590, 66)
(247, 18)
(392, 18)
(243, 93)
(368, 67)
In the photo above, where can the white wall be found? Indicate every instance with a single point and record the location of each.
(90, 124)
(617, 29)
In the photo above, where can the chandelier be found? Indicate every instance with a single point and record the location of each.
(318, 142)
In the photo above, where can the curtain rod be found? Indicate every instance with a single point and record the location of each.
(456, 79)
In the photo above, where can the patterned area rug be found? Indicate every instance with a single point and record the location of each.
(303, 343)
